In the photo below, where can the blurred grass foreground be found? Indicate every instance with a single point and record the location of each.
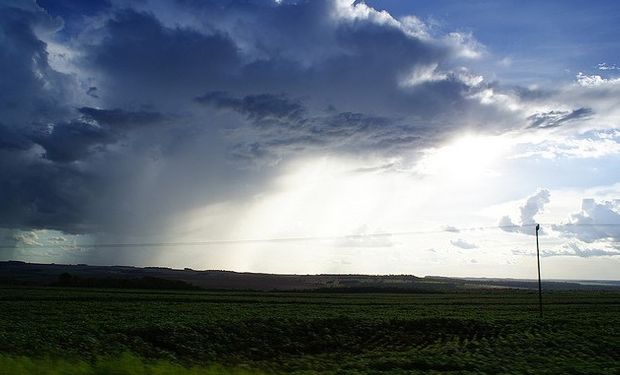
(125, 364)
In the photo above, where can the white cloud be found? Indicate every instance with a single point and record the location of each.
(352, 10)
(532, 207)
(605, 66)
(463, 244)
(492, 97)
(467, 46)
(595, 80)
(415, 27)
(597, 145)
(597, 221)
(468, 78)
(423, 74)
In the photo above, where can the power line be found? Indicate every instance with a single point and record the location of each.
(292, 239)
(278, 239)
(583, 224)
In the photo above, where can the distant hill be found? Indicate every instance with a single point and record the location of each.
(81, 275)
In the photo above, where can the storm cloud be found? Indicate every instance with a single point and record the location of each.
(114, 119)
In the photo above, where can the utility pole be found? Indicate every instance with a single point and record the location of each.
(539, 283)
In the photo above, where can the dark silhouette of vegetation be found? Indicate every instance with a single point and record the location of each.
(406, 289)
(68, 280)
(20, 273)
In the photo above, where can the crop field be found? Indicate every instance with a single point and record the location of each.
(96, 331)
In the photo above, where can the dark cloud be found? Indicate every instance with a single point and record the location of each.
(61, 168)
(280, 67)
(240, 86)
(309, 130)
(557, 118)
(12, 139)
(143, 62)
(259, 108)
(121, 118)
(92, 92)
(72, 141)
(77, 139)
(36, 193)
(41, 194)
(30, 90)
(74, 9)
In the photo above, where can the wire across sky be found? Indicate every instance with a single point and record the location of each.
(449, 229)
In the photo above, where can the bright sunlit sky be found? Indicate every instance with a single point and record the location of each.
(382, 137)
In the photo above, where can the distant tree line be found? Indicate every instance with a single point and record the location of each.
(381, 289)
(68, 280)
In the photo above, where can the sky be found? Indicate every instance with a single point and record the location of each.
(324, 136)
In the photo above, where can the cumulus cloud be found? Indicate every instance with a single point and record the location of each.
(595, 80)
(597, 221)
(532, 206)
(593, 232)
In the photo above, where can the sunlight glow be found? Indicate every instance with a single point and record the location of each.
(465, 160)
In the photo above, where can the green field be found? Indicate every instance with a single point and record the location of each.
(86, 331)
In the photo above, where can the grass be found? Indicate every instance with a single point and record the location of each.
(97, 331)
(125, 364)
